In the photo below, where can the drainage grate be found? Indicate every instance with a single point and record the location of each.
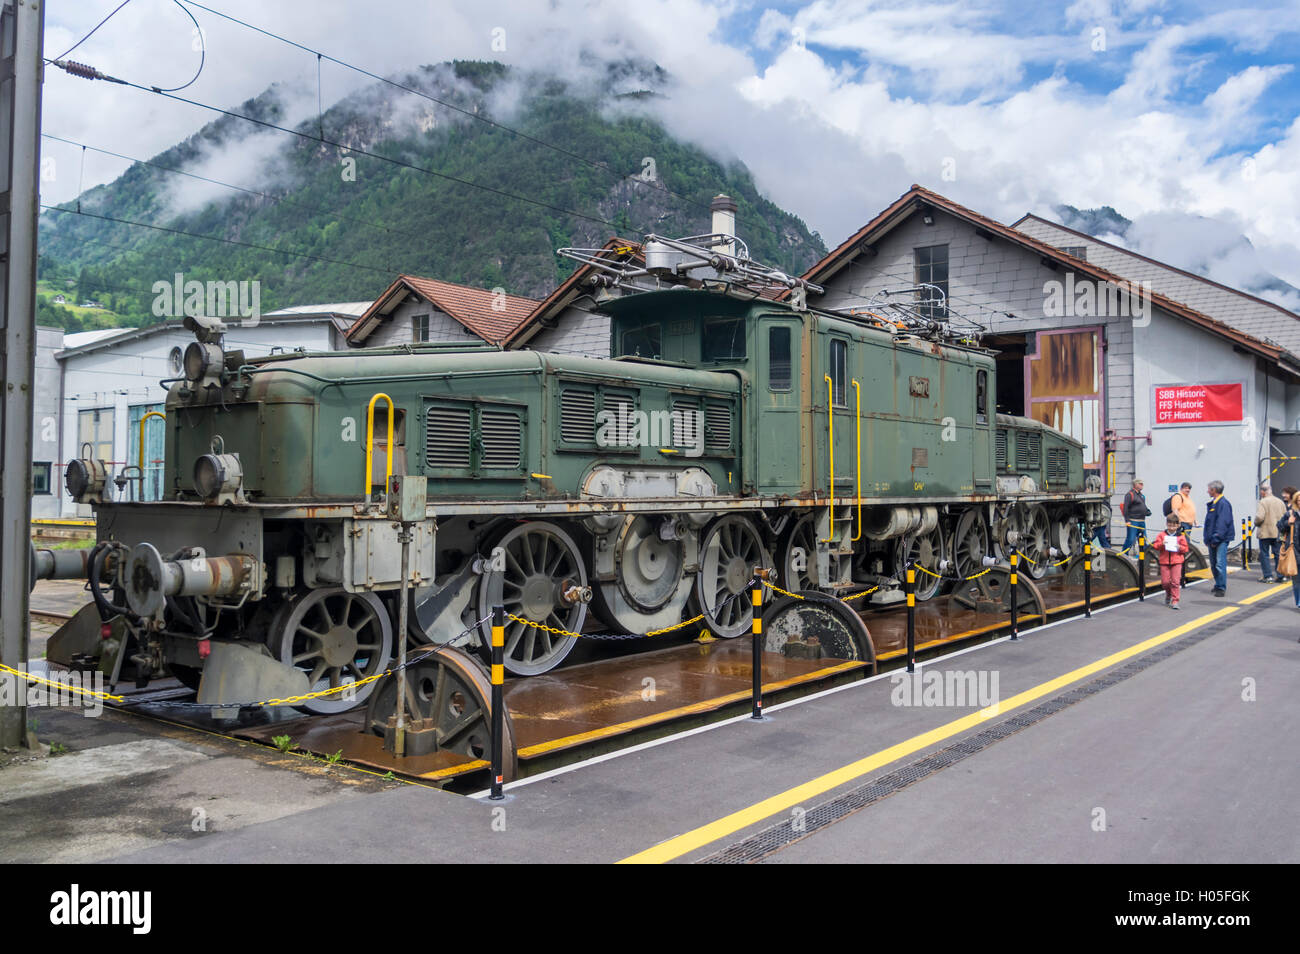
(778, 836)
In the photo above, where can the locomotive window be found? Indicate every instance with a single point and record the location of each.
(724, 339)
(839, 372)
(778, 359)
(642, 342)
(981, 397)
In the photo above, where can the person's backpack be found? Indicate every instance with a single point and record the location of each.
(1169, 505)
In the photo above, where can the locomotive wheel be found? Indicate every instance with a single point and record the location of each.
(817, 619)
(728, 554)
(1035, 541)
(1066, 536)
(995, 586)
(799, 555)
(652, 585)
(450, 691)
(335, 637)
(541, 562)
(925, 550)
(970, 544)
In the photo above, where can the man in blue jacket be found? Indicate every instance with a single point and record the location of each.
(1219, 532)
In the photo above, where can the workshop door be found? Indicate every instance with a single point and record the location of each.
(1065, 386)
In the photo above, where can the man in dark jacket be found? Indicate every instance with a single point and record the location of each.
(1219, 532)
(1135, 511)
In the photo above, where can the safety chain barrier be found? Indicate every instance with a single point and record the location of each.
(556, 631)
(267, 704)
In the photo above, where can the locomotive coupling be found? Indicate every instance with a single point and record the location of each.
(148, 579)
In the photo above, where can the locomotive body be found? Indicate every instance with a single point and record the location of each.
(625, 495)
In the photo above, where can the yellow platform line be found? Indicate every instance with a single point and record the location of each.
(784, 801)
(708, 705)
(462, 769)
(1265, 594)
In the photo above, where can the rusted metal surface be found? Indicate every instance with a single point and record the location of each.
(582, 704)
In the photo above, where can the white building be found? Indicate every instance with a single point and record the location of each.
(101, 384)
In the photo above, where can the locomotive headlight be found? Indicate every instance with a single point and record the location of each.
(202, 360)
(85, 478)
(217, 475)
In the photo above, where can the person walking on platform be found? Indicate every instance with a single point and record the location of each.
(1289, 532)
(1219, 532)
(1135, 512)
(1171, 548)
(1268, 512)
(1181, 504)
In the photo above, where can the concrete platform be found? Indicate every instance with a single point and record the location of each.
(1184, 768)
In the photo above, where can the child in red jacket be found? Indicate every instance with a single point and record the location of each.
(1171, 550)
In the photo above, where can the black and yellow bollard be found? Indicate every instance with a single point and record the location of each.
(498, 702)
(911, 618)
(1015, 597)
(1245, 544)
(1087, 581)
(1142, 567)
(757, 664)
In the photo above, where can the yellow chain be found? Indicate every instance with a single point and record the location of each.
(847, 599)
(41, 680)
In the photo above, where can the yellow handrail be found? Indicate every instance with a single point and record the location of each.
(830, 431)
(142, 420)
(370, 441)
(857, 390)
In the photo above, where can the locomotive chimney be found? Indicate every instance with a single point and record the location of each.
(723, 208)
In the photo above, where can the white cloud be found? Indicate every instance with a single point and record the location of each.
(829, 141)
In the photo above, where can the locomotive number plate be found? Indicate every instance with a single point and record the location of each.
(919, 387)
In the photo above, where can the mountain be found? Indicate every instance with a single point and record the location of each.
(357, 220)
(1194, 243)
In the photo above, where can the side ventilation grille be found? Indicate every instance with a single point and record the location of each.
(1029, 450)
(502, 439)
(577, 416)
(717, 427)
(1000, 445)
(1058, 465)
(447, 437)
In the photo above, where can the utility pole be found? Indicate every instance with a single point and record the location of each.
(22, 28)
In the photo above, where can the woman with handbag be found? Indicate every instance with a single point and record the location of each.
(1289, 530)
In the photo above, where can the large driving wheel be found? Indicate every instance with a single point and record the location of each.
(336, 638)
(798, 567)
(927, 552)
(970, 543)
(541, 566)
(651, 585)
(728, 554)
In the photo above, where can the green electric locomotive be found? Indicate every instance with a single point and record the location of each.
(733, 428)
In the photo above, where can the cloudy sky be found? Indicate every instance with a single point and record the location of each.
(1184, 116)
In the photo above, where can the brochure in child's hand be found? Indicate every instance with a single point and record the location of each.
(1171, 543)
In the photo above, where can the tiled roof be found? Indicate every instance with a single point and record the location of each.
(916, 196)
(490, 315)
(1243, 311)
(616, 249)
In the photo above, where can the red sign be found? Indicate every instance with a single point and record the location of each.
(1198, 403)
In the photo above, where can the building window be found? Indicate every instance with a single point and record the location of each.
(778, 359)
(95, 427)
(839, 372)
(155, 435)
(175, 361)
(40, 478)
(1076, 251)
(420, 327)
(981, 397)
(932, 269)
